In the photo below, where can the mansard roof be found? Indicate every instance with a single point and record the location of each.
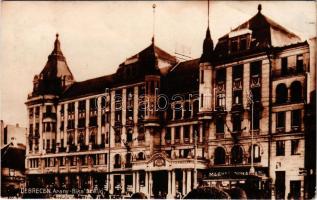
(264, 33)
(182, 78)
(88, 87)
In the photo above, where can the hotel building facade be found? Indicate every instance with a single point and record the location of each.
(160, 125)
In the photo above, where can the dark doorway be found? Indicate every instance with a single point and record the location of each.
(160, 184)
(280, 184)
(295, 189)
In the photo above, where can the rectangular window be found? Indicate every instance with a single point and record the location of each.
(234, 45)
(295, 147)
(296, 119)
(243, 43)
(237, 71)
(236, 122)
(177, 132)
(299, 64)
(202, 100)
(255, 68)
(220, 126)
(221, 75)
(202, 76)
(82, 106)
(280, 148)
(280, 121)
(284, 66)
(256, 120)
(256, 94)
(71, 107)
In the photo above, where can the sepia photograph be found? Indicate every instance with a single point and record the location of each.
(158, 99)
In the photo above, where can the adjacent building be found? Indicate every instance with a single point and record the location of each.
(161, 126)
(12, 133)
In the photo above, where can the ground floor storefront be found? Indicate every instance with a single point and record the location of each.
(155, 184)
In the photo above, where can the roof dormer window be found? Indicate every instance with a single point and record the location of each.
(239, 40)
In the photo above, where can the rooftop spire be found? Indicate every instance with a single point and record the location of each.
(259, 8)
(208, 45)
(153, 6)
(208, 13)
(57, 45)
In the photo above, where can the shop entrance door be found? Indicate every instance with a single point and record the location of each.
(160, 184)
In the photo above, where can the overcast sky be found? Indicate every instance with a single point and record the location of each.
(97, 36)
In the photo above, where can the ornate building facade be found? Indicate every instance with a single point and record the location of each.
(159, 125)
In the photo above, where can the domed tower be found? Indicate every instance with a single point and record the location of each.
(53, 80)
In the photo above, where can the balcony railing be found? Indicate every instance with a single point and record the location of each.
(292, 71)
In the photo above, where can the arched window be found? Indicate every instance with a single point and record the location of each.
(128, 159)
(256, 153)
(296, 91)
(236, 155)
(281, 93)
(141, 156)
(220, 156)
(117, 161)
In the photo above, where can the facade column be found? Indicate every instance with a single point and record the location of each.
(200, 135)
(135, 114)
(172, 135)
(191, 133)
(112, 118)
(163, 136)
(122, 183)
(146, 181)
(124, 116)
(41, 145)
(169, 185)
(133, 182)
(33, 132)
(150, 184)
(99, 120)
(182, 134)
(137, 184)
(87, 123)
(173, 184)
(58, 124)
(65, 124)
(188, 181)
(76, 122)
(111, 184)
(184, 182)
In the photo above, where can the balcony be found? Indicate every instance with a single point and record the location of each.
(49, 115)
(280, 129)
(220, 135)
(117, 166)
(295, 128)
(291, 71)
